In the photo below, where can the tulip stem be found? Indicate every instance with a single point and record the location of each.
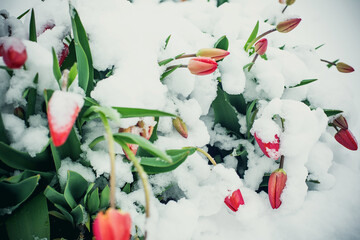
(253, 62)
(211, 159)
(258, 37)
(323, 60)
(284, 8)
(186, 56)
(110, 139)
(282, 158)
(176, 66)
(65, 78)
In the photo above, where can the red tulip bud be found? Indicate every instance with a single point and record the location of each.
(270, 149)
(202, 65)
(347, 139)
(13, 52)
(214, 53)
(344, 68)
(48, 26)
(341, 122)
(288, 25)
(113, 225)
(64, 53)
(261, 46)
(180, 126)
(276, 184)
(234, 200)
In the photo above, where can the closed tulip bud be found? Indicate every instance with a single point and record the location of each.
(347, 139)
(214, 53)
(180, 127)
(344, 68)
(113, 225)
(290, 2)
(64, 53)
(202, 65)
(234, 200)
(288, 25)
(341, 122)
(276, 184)
(261, 46)
(13, 52)
(270, 149)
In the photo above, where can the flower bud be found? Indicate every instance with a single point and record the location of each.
(290, 2)
(133, 130)
(113, 225)
(214, 53)
(180, 127)
(288, 25)
(14, 52)
(64, 53)
(19, 112)
(341, 122)
(282, 1)
(276, 184)
(270, 149)
(202, 65)
(234, 200)
(261, 46)
(347, 139)
(146, 130)
(344, 68)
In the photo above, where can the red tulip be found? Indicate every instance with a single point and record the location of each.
(270, 149)
(344, 68)
(180, 127)
(13, 52)
(288, 25)
(48, 26)
(202, 65)
(214, 53)
(347, 139)
(261, 46)
(146, 130)
(234, 200)
(276, 184)
(113, 225)
(64, 53)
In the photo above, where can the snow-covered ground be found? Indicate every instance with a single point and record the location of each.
(131, 37)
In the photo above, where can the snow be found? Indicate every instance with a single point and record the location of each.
(131, 38)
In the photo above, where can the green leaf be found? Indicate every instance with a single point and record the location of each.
(30, 220)
(282, 47)
(237, 101)
(32, 30)
(167, 41)
(167, 73)
(166, 61)
(141, 112)
(54, 196)
(65, 213)
(57, 215)
(331, 112)
(15, 194)
(220, 2)
(31, 99)
(75, 188)
(248, 65)
(23, 14)
(334, 62)
(93, 201)
(23, 161)
(154, 136)
(304, 82)
(250, 117)
(319, 46)
(78, 214)
(127, 188)
(105, 197)
(225, 113)
(222, 43)
(83, 67)
(252, 36)
(56, 67)
(71, 57)
(72, 75)
(3, 134)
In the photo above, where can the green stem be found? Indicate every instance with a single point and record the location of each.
(323, 60)
(110, 139)
(253, 61)
(212, 160)
(175, 66)
(257, 38)
(284, 8)
(186, 56)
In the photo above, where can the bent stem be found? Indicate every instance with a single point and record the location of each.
(176, 66)
(253, 61)
(211, 159)
(284, 8)
(186, 56)
(326, 61)
(258, 37)
(110, 139)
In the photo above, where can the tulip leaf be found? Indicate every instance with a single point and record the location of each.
(167, 73)
(105, 197)
(166, 61)
(83, 67)
(248, 66)
(71, 57)
(56, 67)
(31, 99)
(333, 63)
(75, 188)
(167, 41)
(220, 2)
(72, 75)
(3, 134)
(331, 112)
(65, 213)
(31, 219)
(54, 196)
(222, 43)
(237, 101)
(23, 14)
(93, 201)
(57, 215)
(250, 116)
(32, 29)
(252, 37)
(78, 214)
(319, 46)
(304, 82)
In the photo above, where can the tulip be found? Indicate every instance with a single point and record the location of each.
(290, 2)
(347, 139)
(282, 1)
(288, 25)
(234, 200)
(113, 225)
(340, 122)
(180, 127)
(344, 68)
(214, 53)
(146, 130)
(64, 53)
(13, 52)
(133, 130)
(270, 149)
(276, 184)
(261, 46)
(202, 65)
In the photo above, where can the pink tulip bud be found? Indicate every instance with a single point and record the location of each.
(214, 53)
(234, 200)
(270, 149)
(146, 130)
(276, 184)
(13, 52)
(261, 46)
(288, 25)
(290, 2)
(344, 68)
(202, 65)
(347, 139)
(64, 53)
(113, 225)
(180, 126)
(341, 122)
